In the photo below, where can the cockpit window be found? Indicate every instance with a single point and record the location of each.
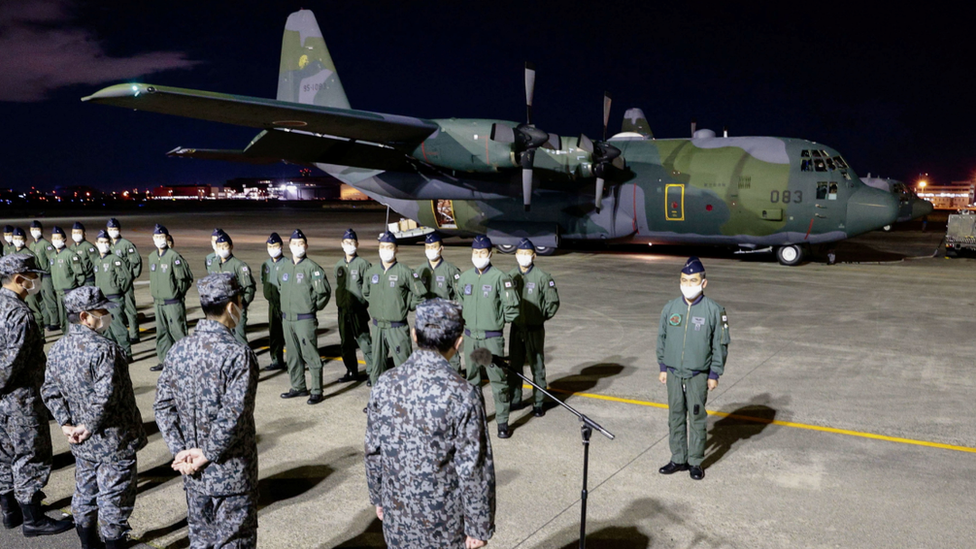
(816, 154)
(806, 165)
(805, 154)
(830, 164)
(840, 162)
(818, 164)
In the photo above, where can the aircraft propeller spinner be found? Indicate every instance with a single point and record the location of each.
(602, 154)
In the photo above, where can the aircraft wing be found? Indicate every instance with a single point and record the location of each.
(401, 132)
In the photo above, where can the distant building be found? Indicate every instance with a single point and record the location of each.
(960, 195)
(189, 192)
(295, 188)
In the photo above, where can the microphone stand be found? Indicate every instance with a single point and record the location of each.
(586, 429)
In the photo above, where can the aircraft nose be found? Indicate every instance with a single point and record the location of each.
(921, 207)
(869, 209)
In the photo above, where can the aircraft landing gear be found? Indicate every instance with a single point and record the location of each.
(506, 248)
(790, 255)
(545, 250)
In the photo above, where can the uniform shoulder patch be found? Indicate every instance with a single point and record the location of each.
(457, 276)
(508, 283)
(118, 263)
(132, 250)
(75, 258)
(177, 262)
(415, 275)
(552, 283)
(244, 268)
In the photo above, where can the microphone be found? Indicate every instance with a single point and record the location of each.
(482, 357)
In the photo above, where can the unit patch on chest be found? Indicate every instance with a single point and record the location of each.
(152, 267)
(467, 289)
(284, 277)
(674, 320)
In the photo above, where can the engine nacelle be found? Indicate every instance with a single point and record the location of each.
(465, 145)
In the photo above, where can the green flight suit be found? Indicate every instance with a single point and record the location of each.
(33, 300)
(538, 302)
(113, 277)
(243, 274)
(304, 292)
(48, 297)
(8, 249)
(67, 273)
(127, 251)
(269, 282)
(170, 278)
(440, 282)
(353, 312)
(692, 345)
(391, 293)
(89, 255)
(488, 300)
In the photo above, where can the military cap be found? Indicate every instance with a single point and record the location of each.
(224, 237)
(439, 316)
(160, 229)
(481, 242)
(217, 287)
(19, 232)
(525, 244)
(217, 232)
(102, 234)
(114, 224)
(77, 226)
(8, 229)
(432, 238)
(86, 298)
(274, 239)
(18, 264)
(57, 230)
(298, 235)
(36, 225)
(350, 235)
(693, 266)
(387, 237)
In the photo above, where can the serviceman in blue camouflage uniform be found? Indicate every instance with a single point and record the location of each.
(33, 300)
(48, 297)
(169, 280)
(127, 251)
(353, 312)
(429, 464)
(89, 392)
(67, 272)
(439, 277)
(692, 345)
(85, 250)
(113, 276)
(227, 262)
(25, 438)
(269, 283)
(205, 412)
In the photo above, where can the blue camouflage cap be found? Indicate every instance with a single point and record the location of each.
(481, 242)
(217, 287)
(8, 229)
(102, 234)
(160, 229)
(113, 224)
(437, 317)
(693, 266)
(387, 237)
(217, 232)
(224, 237)
(298, 235)
(86, 298)
(433, 238)
(350, 235)
(77, 226)
(36, 225)
(18, 264)
(525, 244)
(274, 239)
(19, 232)
(57, 230)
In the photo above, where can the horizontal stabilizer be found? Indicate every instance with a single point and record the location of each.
(228, 155)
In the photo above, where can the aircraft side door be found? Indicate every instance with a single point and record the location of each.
(674, 202)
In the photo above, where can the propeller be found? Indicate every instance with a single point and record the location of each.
(602, 154)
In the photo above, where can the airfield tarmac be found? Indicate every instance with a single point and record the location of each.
(844, 418)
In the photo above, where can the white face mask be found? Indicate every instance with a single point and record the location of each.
(160, 242)
(36, 233)
(9, 239)
(102, 247)
(235, 314)
(480, 262)
(524, 260)
(274, 252)
(433, 255)
(113, 233)
(19, 243)
(30, 286)
(77, 237)
(223, 253)
(349, 249)
(104, 322)
(387, 255)
(58, 243)
(297, 250)
(691, 292)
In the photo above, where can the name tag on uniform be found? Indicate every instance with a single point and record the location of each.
(393, 279)
(354, 273)
(530, 286)
(164, 266)
(440, 281)
(698, 322)
(486, 289)
(299, 277)
(467, 289)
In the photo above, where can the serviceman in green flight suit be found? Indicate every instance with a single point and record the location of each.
(353, 313)
(226, 262)
(439, 277)
(67, 272)
(269, 282)
(392, 290)
(127, 251)
(304, 292)
(49, 298)
(8, 239)
(489, 300)
(113, 277)
(212, 256)
(169, 279)
(692, 345)
(538, 302)
(85, 250)
(33, 300)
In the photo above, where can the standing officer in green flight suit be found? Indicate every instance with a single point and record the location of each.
(127, 251)
(67, 272)
(113, 277)
(33, 300)
(212, 256)
(538, 302)
(269, 282)
(49, 299)
(439, 277)
(8, 239)
(488, 300)
(304, 292)
(353, 313)
(226, 262)
(692, 345)
(392, 290)
(169, 279)
(85, 250)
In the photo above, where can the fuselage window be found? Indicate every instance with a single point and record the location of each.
(832, 192)
(806, 165)
(847, 176)
(821, 190)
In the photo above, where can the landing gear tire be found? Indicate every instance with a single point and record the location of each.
(790, 255)
(506, 248)
(545, 250)
(951, 254)
(886, 228)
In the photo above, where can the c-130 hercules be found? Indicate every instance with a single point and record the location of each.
(512, 180)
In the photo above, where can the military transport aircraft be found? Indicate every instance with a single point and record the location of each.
(511, 180)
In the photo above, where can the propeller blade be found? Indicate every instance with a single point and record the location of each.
(527, 159)
(529, 90)
(554, 143)
(619, 163)
(606, 113)
(694, 126)
(502, 133)
(598, 202)
(585, 143)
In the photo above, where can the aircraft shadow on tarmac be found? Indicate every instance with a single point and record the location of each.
(270, 433)
(291, 483)
(744, 422)
(152, 535)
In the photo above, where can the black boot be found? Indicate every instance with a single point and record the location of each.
(120, 543)
(36, 523)
(89, 537)
(12, 517)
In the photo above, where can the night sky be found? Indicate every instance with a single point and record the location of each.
(891, 90)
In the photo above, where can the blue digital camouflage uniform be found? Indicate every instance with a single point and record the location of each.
(429, 463)
(87, 383)
(25, 438)
(205, 399)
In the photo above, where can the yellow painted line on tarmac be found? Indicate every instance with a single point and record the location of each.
(861, 434)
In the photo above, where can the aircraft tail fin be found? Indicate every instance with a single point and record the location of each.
(636, 122)
(307, 74)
